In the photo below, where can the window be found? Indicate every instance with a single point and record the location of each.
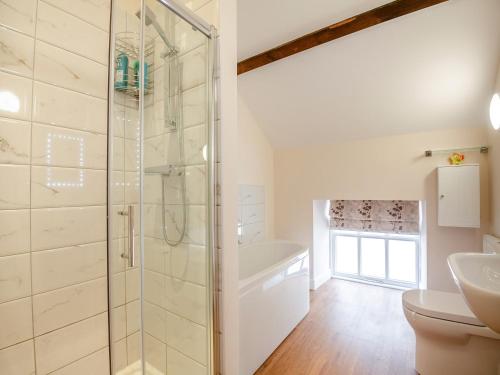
(376, 241)
(382, 258)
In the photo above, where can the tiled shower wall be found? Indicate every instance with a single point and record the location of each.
(53, 158)
(251, 214)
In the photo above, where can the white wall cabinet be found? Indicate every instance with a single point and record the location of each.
(459, 196)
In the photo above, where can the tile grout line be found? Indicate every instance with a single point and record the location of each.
(79, 359)
(74, 15)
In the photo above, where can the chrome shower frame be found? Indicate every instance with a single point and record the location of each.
(213, 327)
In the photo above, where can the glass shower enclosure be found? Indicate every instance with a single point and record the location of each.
(161, 253)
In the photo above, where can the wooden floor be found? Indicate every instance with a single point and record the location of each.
(352, 329)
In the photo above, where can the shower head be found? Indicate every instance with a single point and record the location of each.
(150, 19)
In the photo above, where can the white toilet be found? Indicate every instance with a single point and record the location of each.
(450, 339)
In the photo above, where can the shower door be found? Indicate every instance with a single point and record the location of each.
(161, 148)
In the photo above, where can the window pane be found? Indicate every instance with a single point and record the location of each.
(373, 257)
(346, 255)
(402, 261)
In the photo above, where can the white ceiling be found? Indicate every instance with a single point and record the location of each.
(427, 70)
(264, 24)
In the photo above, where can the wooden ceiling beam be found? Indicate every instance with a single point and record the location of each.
(351, 25)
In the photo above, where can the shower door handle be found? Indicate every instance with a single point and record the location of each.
(131, 237)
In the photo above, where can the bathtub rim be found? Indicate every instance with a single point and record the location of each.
(299, 255)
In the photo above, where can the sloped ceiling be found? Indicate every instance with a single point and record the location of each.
(428, 70)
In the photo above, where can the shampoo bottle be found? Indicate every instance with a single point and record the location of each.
(136, 74)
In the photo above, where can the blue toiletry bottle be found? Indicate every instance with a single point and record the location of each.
(121, 80)
(136, 74)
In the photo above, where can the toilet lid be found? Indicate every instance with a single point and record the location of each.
(440, 305)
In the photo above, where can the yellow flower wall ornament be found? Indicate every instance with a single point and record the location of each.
(456, 158)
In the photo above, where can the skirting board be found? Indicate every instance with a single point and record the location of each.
(320, 280)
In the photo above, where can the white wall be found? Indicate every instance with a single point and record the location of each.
(380, 168)
(255, 160)
(494, 143)
(229, 187)
(319, 254)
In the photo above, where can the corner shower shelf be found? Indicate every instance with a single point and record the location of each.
(128, 43)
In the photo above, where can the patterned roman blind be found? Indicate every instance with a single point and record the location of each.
(375, 216)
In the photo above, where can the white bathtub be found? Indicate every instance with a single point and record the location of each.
(273, 298)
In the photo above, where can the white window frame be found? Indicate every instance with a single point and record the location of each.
(386, 281)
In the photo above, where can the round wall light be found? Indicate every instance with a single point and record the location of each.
(495, 111)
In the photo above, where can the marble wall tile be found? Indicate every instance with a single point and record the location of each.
(18, 359)
(58, 227)
(185, 299)
(209, 12)
(155, 253)
(53, 269)
(59, 348)
(179, 364)
(154, 288)
(15, 142)
(187, 337)
(18, 15)
(68, 70)
(174, 218)
(118, 154)
(155, 321)
(16, 279)
(187, 262)
(118, 323)
(155, 355)
(133, 316)
(118, 187)
(252, 213)
(16, 193)
(17, 52)
(116, 256)
(133, 348)
(195, 187)
(61, 307)
(152, 188)
(16, 96)
(117, 289)
(95, 12)
(61, 147)
(253, 233)
(132, 123)
(155, 151)
(195, 140)
(194, 68)
(119, 355)
(118, 221)
(14, 232)
(132, 155)
(69, 32)
(67, 187)
(58, 106)
(194, 106)
(187, 38)
(133, 282)
(16, 322)
(251, 194)
(96, 364)
(132, 188)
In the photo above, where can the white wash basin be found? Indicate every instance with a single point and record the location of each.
(478, 277)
